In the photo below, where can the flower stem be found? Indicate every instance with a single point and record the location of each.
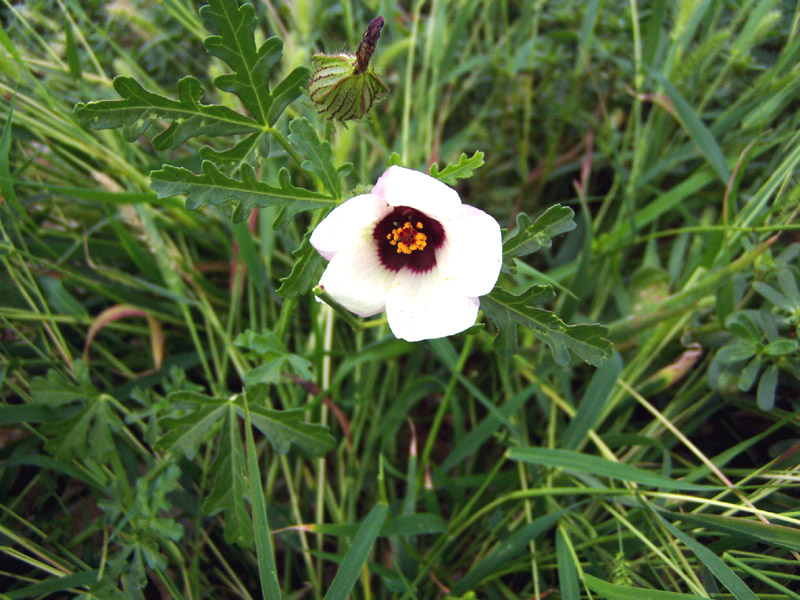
(443, 406)
(319, 292)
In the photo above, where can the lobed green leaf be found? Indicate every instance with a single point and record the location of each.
(319, 158)
(304, 272)
(236, 45)
(463, 169)
(230, 483)
(529, 236)
(286, 427)
(139, 108)
(509, 311)
(215, 188)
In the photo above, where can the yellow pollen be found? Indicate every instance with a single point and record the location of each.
(407, 239)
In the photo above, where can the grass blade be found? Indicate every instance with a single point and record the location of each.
(715, 564)
(567, 573)
(357, 555)
(621, 592)
(267, 571)
(586, 463)
(696, 130)
(594, 401)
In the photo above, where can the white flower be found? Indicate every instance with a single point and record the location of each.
(412, 249)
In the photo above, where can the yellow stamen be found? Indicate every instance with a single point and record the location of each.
(407, 239)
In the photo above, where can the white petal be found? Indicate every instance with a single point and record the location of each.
(357, 280)
(399, 186)
(472, 254)
(347, 223)
(422, 306)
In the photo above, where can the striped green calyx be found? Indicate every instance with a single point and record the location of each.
(343, 86)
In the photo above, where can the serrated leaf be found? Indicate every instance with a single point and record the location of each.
(508, 311)
(265, 344)
(87, 433)
(230, 484)
(251, 148)
(249, 80)
(59, 389)
(506, 341)
(185, 434)
(319, 158)
(213, 187)
(463, 169)
(236, 45)
(139, 108)
(286, 92)
(528, 237)
(271, 371)
(275, 359)
(286, 427)
(304, 272)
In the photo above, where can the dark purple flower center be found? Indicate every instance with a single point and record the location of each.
(407, 237)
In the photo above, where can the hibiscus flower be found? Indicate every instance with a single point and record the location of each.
(411, 248)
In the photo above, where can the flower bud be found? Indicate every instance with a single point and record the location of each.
(343, 86)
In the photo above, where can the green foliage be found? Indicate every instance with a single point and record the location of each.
(86, 419)
(276, 361)
(528, 237)
(356, 557)
(230, 484)
(463, 169)
(142, 527)
(213, 187)
(282, 427)
(319, 159)
(250, 81)
(762, 342)
(251, 66)
(305, 271)
(279, 450)
(509, 311)
(139, 109)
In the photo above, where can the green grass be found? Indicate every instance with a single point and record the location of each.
(222, 436)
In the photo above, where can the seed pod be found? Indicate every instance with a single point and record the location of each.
(343, 86)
